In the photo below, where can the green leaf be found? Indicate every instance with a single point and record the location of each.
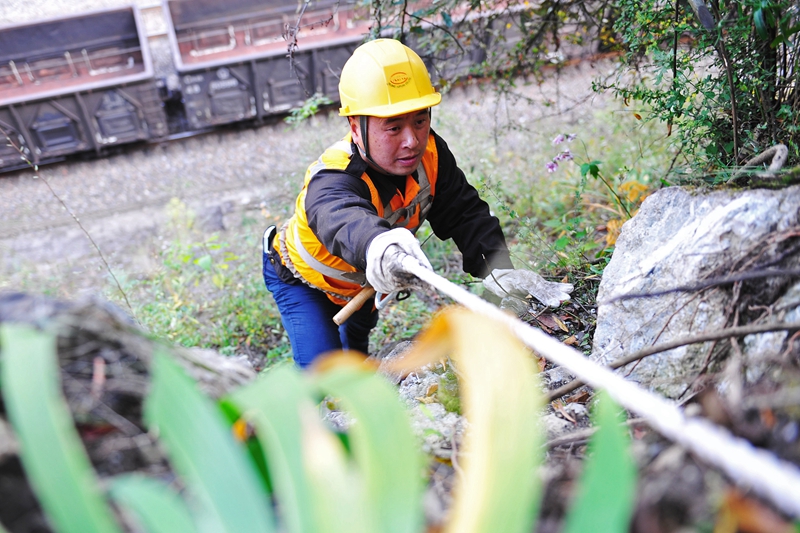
(592, 169)
(427, 412)
(340, 498)
(607, 489)
(217, 471)
(561, 243)
(52, 454)
(760, 23)
(156, 507)
(272, 405)
(204, 262)
(448, 20)
(384, 446)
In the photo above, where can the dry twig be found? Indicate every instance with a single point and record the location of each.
(744, 276)
(740, 331)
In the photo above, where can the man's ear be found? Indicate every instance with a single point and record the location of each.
(355, 130)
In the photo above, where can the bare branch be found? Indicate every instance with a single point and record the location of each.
(744, 276)
(740, 331)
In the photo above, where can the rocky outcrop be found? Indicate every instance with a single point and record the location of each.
(692, 262)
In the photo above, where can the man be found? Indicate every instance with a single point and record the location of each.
(364, 198)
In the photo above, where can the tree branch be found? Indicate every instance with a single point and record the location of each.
(740, 331)
(744, 276)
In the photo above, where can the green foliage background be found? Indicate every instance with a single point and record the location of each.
(726, 87)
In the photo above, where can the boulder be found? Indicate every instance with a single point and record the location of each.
(677, 249)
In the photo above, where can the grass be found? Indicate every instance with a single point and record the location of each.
(205, 288)
(206, 291)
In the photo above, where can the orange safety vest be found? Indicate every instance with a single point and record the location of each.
(308, 259)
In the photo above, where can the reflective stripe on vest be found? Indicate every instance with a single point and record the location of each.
(421, 201)
(326, 270)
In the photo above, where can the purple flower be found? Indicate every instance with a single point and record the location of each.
(571, 137)
(558, 140)
(566, 155)
(551, 166)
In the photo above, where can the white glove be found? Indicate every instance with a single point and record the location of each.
(384, 260)
(524, 282)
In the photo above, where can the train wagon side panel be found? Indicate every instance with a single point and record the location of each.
(49, 129)
(14, 146)
(77, 84)
(234, 62)
(218, 96)
(282, 84)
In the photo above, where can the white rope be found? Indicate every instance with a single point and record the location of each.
(748, 466)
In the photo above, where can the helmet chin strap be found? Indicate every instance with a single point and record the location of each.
(362, 120)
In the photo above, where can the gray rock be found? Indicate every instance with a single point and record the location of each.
(680, 238)
(556, 377)
(760, 349)
(556, 426)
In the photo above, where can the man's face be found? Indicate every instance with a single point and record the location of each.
(396, 144)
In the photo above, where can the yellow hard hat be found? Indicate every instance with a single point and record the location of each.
(385, 78)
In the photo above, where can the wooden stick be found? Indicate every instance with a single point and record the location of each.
(353, 305)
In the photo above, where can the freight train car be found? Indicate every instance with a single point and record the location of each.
(233, 60)
(85, 84)
(76, 84)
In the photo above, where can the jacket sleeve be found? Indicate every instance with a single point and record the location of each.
(342, 216)
(460, 214)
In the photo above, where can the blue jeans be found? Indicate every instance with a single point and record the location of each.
(307, 316)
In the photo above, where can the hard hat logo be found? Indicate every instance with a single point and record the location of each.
(399, 79)
(385, 78)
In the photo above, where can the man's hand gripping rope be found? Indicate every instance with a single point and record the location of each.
(385, 272)
(388, 272)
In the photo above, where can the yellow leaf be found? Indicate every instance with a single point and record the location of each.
(634, 191)
(613, 227)
(500, 398)
(242, 430)
(561, 324)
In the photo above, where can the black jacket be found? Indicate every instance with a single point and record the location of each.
(341, 214)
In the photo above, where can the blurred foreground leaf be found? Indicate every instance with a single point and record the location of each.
(498, 488)
(607, 489)
(383, 445)
(273, 404)
(320, 487)
(52, 454)
(218, 473)
(157, 507)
